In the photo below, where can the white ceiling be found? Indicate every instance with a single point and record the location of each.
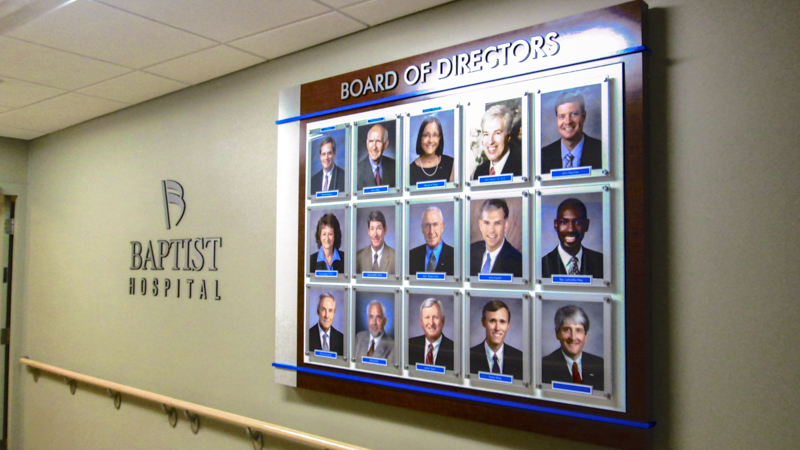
(63, 62)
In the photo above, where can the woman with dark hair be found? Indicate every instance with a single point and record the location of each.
(431, 164)
(329, 239)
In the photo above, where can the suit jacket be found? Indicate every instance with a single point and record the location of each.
(417, 262)
(512, 360)
(592, 155)
(513, 165)
(336, 343)
(320, 265)
(364, 260)
(366, 177)
(385, 349)
(554, 368)
(591, 264)
(509, 260)
(336, 183)
(417, 350)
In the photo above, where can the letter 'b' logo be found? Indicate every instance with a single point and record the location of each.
(173, 193)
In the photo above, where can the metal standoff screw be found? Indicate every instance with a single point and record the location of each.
(526, 296)
(408, 202)
(524, 179)
(456, 374)
(406, 367)
(607, 283)
(406, 278)
(408, 189)
(606, 188)
(526, 384)
(467, 183)
(308, 198)
(408, 114)
(524, 193)
(354, 288)
(397, 291)
(605, 172)
(524, 281)
(352, 360)
(607, 299)
(467, 278)
(608, 396)
(538, 178)
(538, 281)
(456, 279)
(466, 375)
(397, 366)
(354, 277)
(344, 357)
(539, 297)
(538, 192)
(538, 386)
(308, 353)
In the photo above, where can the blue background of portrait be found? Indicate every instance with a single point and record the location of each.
(363, 297)
(592, 94)
(448, 123)
(593, 239)
(341, 150)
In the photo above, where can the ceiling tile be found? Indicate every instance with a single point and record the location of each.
(37, 64)
(223, 20)
(15, 93)
(59, 112)
(205, 65)
(132, 88)
(378, 11)
(340, 3)
(106, 33)
(300, 35)
(19, 133)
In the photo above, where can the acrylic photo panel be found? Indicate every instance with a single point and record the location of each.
(377, 141)
(328, 168)
(375, 316)
(432, 156)
(422, 324)
(376, 223)
(431, 223)
(328, 226)
(327, 312)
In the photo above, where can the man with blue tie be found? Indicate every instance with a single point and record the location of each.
(323, 336)
(493, 354)
(494, 254)
(575, 148)
(376, 169)
(434, 255)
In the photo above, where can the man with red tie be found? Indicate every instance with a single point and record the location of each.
(570, 364)
(374, 342)
(433, 348)
(501, 158)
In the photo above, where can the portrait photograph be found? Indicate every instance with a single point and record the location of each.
(327, 241)
(327, 163)
(376, 144)
(573, 344)
(377, 239)
(497, 329)
(375, 338)
(432, 330)
(431, 149)
(326, 319)
(433, 231)
(571, 131)
(496, 140)
(498, 244)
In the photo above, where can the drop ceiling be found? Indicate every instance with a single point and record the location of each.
(63, 62)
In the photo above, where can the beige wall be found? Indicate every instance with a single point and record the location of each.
(13, 161)
(724, 188)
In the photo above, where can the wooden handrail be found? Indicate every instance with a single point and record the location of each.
(211, 413)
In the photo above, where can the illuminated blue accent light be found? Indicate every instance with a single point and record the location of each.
(495, 178)
(430, 276)
(579, 388)
(430, 184)
(467, 397)
(382, 275)
(495, 277)
(327, 129)
(431, 369)
(326, 273)
(379, 119)
(572, 279)
(376, 361)
(320, 353)
(495, 377)
(431, 109)
(325, 194)
(376, 189)
(578, 171)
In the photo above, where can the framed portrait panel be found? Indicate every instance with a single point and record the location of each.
(497, 251)
(433, 334)
(377, 237)
(327, 327)
(433, 143)
(498, 332)
(574, 238)
(377, 329)
(377, 150)
(433, 234)
(328, 174)
(574, 355)
(327, 242)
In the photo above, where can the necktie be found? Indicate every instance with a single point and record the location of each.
(573, 268)
(378, 176)
(576, 376)
(491, 170)
(375, 266)
(487, 266)
(429, 356)
(371, 347)
(325, 345)
(568, 160)
(496, 365)
(325, 185)
(431, 263)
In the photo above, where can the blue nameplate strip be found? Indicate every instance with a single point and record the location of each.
(324, 194)
(375, 120)
(376, 189)
(495, 377)
(505, 277)
(495, 178)
(376, 361)
(430, 276)
(320, 353)
(326, 273)
(432, 369)
(579, 388)
(431, 109)
(571, 172)
(381, 275)
(430, 184)
(327, 129)
(572, 279)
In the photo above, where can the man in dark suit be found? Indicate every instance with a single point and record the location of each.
(501, 158)
(376, 169)
(331, 177)
(434, 255)
(493, 354)
(575, 148)
(494, 254)
(432, 348)
(570, 257)
(570, 364)
(323, 336)
(374, 342)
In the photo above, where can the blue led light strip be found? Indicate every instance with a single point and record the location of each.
(474, 398)
(640, 48)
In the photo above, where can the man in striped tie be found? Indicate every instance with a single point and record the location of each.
(570, 257)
